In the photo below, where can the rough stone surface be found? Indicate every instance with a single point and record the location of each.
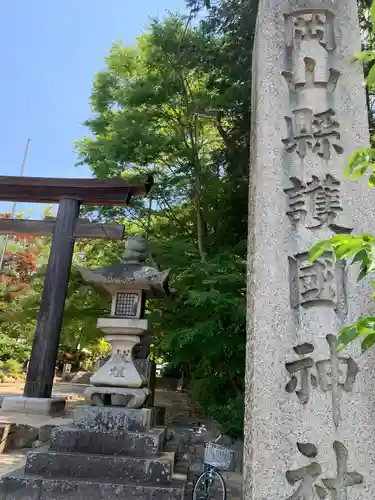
(116, 396)
(100, 458)
(284, 309)
(37, 406)
(18, 487)
(120, 370)
(73, 439)
(182, 438)
(109, 468)
(37, 444)
(147, 369)
(80, 377)
(4, 433)
(11, 461)
(111, 418)
(45, 432)
(21, 436)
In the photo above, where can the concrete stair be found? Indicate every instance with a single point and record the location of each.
(107, 454)
(18, 486)
(107, 467)
(75, 440)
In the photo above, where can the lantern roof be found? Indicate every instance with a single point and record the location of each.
(131, 274)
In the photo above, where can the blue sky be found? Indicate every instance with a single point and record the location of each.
(50, 50)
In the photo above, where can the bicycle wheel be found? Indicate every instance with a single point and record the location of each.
(210, 485)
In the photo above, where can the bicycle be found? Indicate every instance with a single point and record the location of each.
(210, 485)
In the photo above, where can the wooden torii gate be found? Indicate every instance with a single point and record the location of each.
(70, 194)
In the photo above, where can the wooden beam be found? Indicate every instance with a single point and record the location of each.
(83, 228)
(41, 369)
(86, 191)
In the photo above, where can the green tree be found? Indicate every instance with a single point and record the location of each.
(82, 308)
(368, 43)
(159, 108)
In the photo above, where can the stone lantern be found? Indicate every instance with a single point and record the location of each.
(118, 382)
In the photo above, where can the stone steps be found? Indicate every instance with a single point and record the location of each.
(121, 469)
(18, 486)
(106, 453)
(133, 444)
(112, 418)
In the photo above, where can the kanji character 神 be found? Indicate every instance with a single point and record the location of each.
(326, 374)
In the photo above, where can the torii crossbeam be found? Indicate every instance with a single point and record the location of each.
(70, 194)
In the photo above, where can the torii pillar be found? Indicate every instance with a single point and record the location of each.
(70, 194)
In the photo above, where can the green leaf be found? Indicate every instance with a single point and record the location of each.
(359, 162)
(371, 76)
(362, 273)
(372, 13)
(371, 266)
(368, 342)
(371, 181)
(342, 238)
(349, 163)
(365, 326)
(365, 56)
(359, 256)
(359, 171)
(345, 250)
(347, 335)
(318, 249)
(368, 238)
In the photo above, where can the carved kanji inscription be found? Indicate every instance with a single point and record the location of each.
(318, 283)
(300, 136)
(119, 358)
(117, 371)
(316, 203)
(301, 378)
(318, 132)
(333, 374)
(311, 81)
(310, 483)
(326, 134)
(306, 25)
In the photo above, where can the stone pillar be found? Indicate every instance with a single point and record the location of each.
(309, 430)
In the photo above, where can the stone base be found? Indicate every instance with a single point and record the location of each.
(116, 468)
(37, 406)
(18, 486)
(116, 396)
(106, 418)
(71, 439)
(107, 453)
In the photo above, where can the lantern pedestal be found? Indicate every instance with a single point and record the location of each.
(118, 382)
(116, 396)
